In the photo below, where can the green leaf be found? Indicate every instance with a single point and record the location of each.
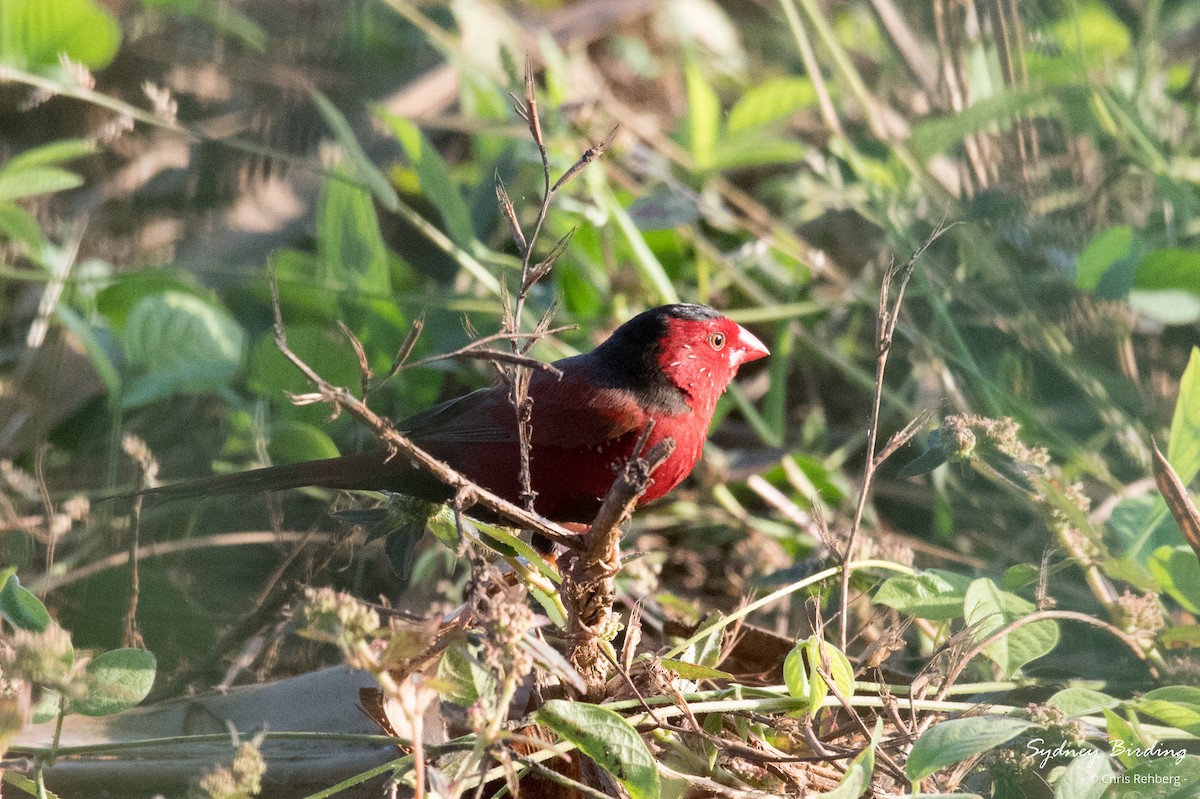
(1183, 448)
(986, 608)
(437, 182)
(1176, 705)
(804, 681)
(1161, 778)
(464, 679)
(706, 650)
(34, 32)
(1177, 572)
(118, 299)
(1093, 33)
(954, 741)
(609, 740)
(933, 594)
(691, 671)
(1085, 777)
(295, 442)
(179, 344)
(769, 102)
(32, 182)
(116, 680)
(997, 112)
(1166, 286)
(704, 116)
(360, 165)
(94, 339)
(1078, 701)
(270, 374)
(349, 240)
(55, 152)
(516, 546)
(19, 225)
(1122, 737)
(20, 607)
(1106, 248)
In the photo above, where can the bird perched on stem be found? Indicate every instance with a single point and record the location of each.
(668, 365)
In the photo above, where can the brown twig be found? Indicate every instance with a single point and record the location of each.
(889, 315)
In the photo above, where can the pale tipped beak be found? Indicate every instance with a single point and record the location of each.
(748, 348)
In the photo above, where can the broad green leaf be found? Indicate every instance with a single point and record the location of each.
(115, 301)
(19, 225)
(34, 32)
(769, 102)
(1176, 705)
(349, 241)
(464, 679)
(804, 681)
(32, 182)
(1178, 573)
(1166, 286)
(1161, 778)
(987, 609)
(1169, 306)
(954, 741)
(116, 680)
(294, 442)
(704, 117)
(1093, 33)
(609, 740)
(1078, 701)
(437, 182)
(179, 343)
(1085, 777)
(1183, 448)
(934, 594)
(756, 148)
(20, 607)
(310, 287)
(1105, 249)
(270, 374)
(1122, 738)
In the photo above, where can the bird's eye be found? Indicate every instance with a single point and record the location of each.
(717, 340)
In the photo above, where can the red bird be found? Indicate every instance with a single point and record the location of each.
(668, 364)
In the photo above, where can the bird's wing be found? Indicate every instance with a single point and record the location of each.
(575, 414)
(568, 412)
(477, 417)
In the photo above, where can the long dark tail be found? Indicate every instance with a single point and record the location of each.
(365, 471)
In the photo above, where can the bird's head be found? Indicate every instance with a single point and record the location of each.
(685, 348)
